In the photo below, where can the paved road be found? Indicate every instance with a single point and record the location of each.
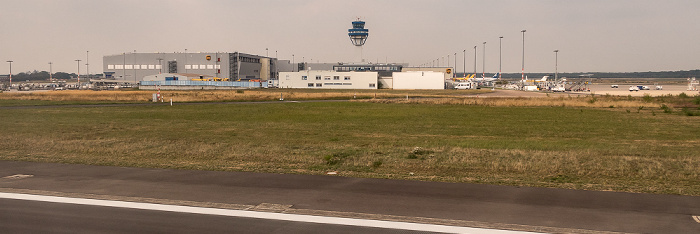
(520, 208)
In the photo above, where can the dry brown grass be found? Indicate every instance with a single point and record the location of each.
(596, 102)
(202, 96)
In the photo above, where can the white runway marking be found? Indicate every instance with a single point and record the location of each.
(256, 214)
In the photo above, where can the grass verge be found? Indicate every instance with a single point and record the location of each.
(552, 146)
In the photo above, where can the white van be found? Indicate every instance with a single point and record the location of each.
(464, 86)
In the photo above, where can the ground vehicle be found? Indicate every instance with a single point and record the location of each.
(467, 85)
(614, 86)
(634, 88)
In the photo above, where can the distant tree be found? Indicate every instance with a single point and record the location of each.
(63, 75)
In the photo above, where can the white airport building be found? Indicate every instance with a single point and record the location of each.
(325, 79)
(328, 80)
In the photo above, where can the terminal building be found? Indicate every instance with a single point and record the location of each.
(133, 67)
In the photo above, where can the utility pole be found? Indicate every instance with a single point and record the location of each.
(556, 65)
(500, 57)
(465, 62)
(454, 71)
(523, 67)
(474, 60)
(10, 61)
(87, 64)
(50, 71)
(78, 60)
(483, 63)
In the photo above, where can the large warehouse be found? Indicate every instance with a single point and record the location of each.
(132, 67)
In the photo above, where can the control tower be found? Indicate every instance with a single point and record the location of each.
(358, 35)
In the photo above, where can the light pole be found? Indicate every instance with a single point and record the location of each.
(266, 53)
(454, 71)
(185, 60)
(87, 64)
(10, 61)
(556, 65)
(483, 62)
(474, 60)
(523, 67)
(293, 65)
(78, 60)
(50, 71)
(500, 57)
(465, 62)
(448, 60)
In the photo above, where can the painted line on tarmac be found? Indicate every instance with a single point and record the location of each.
(696, 218)
(255, 214)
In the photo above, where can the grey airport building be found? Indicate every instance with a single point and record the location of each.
(133, 67)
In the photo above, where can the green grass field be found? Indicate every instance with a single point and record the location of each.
(580, 148)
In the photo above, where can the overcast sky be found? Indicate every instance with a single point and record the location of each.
(591, 35)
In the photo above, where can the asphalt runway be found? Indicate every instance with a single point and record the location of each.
(473, 205)
(46, 217)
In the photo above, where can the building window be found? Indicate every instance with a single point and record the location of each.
(188, 66)
(336, 77)
(347, 83)
(318, 77)
(327, 78)
(158, 66)
(111, 67)
(319, 85)
(311, 85)
(303, 78)
(118, 66)
(129, 67)
(372, 85)
(151, 67)
(347, 78)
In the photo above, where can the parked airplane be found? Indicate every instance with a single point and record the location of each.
(484, 79)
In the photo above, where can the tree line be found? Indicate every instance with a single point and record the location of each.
(41, 75)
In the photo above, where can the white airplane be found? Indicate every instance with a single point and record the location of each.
(484, 79)
(544, 79)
